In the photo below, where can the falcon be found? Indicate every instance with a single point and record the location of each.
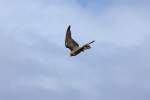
(73, 46)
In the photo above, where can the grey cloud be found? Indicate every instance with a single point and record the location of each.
(34, 63)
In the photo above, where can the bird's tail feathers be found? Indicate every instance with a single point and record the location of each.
(87, 46)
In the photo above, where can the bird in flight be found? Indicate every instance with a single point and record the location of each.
(73, 46)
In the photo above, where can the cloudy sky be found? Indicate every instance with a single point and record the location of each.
(35, 65)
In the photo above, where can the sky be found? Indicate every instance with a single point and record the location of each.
(35, 65)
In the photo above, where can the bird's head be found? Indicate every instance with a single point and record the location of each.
(72, 54)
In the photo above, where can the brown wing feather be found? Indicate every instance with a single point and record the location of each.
(69, 42)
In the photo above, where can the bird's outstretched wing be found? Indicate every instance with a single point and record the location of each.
(69, 42)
